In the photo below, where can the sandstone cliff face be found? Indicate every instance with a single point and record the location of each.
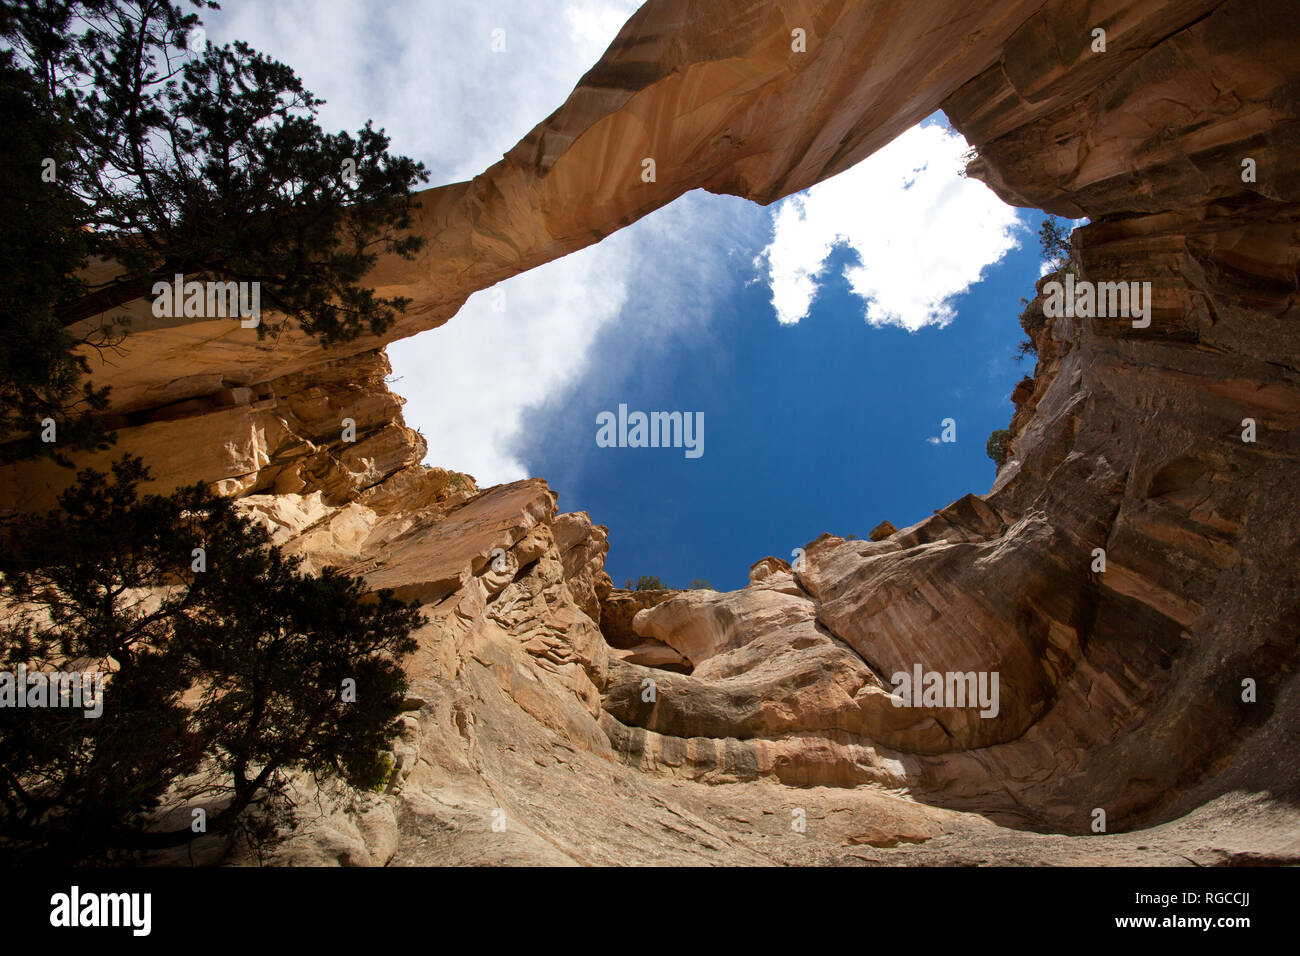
(714, 94)
(1120, 689)
(334, 430)
(696, 724)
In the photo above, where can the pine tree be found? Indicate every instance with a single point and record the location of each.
(168, 596)
(129, 140)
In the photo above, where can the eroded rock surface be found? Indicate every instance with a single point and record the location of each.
(607, 726)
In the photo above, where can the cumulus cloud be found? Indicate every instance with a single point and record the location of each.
(471, 384)
(468, 383)
(430, 76)
(594, 23)
(427, 73)
(922, 233)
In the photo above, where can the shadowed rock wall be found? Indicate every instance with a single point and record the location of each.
(1118, 689)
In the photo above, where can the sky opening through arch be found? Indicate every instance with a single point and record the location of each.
(823, 340)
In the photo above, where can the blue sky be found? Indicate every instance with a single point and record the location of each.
(824, 338)
(809, 427)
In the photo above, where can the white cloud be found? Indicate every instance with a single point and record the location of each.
(470, 383)
(426, 71)
(594, 23)
(922, 233)
(427, 74)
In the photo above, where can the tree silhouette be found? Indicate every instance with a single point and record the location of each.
(164, 156)
(219, 657)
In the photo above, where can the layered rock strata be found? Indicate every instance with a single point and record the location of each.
(699, 724)
(1121, 688)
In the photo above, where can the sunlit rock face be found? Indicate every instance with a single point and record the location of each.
(1119, 688)
(717, 96)
(610, 726)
